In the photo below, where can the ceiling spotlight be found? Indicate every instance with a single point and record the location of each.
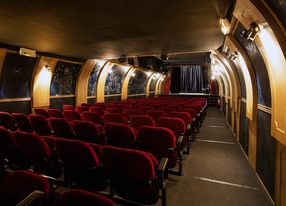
(251, 33)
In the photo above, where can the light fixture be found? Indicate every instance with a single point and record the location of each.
(133, 74)
(47, 68)
(27, 52)
(225, 26)
(251, 33)
(233, 56)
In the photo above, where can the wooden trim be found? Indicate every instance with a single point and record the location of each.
(134, 95)
(243, 100)
(62, 96)
(90, 97)
(15, 100)
(264, 108)
(112, 95)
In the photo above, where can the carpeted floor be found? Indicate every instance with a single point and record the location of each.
(216, 172)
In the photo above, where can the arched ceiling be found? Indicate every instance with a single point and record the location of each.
(108, 29)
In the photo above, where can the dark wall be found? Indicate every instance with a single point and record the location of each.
(22, 107)
(16, 76)
(91, 91)
(112, 98)
(229, 113)
(91, 100)
(64, 78)
(279, 7)
(262, 80)
(152, 85)
(244, 125)
(114, 80)
(57, 103)
(175, 81)
(224, 106)
(137, 83)
(265, 162)
(241, 78)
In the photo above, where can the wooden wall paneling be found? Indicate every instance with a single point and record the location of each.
(126, 78)
(100, 85)
(3, 53)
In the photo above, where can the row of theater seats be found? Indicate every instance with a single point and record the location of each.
(84, 161)
(26, 188)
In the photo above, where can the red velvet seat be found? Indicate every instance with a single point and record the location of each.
(7, 121)
(18, 185)
(93, 117)
(76, 197)
(42, 112)
(88, 131)
(98, 110)
(187, 118)
(68, 107)
(161, 142)
(176, 125)
(129, 112)
(55, 113)
(23, 122)
(137, 121)
(9, 150)
(62, 128)
(40, 124)
(132, 174)
(113, 110)
(155, 114)
(86, 105)
(71, 115)
(120, 135)
(81, 164)
(114, 118)
(37, 153)
(81, 109)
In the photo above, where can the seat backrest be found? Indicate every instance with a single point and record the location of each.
(167, 110)
(7, 121)
(115, 118)
(155, 114)
(117, 164)
(40, 124)
(120, 135)
(68, 107)
(23, 122)
(129, 112)
(42, 112)
(185, 116)
(87, 131)
(191, 111)
(175, 124)
(62, 128)
(140, 120)
(71, 115)
(82, 197)
(81, 109)
(157, 140)
(112, 110)
(86, 105)
(98, 110)
(33, 147)
(19, 184)
(76, 154)
(93, 117)
(55, 113)
(8, 146)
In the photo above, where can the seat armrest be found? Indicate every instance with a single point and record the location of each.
(162, 167)
(180, 141)
(31, 198)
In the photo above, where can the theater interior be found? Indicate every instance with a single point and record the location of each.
(143, 103)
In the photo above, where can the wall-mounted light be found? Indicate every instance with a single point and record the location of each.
(133, 74)
(251, 33)
(225, 26)
(233, 56)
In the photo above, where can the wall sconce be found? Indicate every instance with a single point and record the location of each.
(47, 68)
(233, 56)
(225, 26)
(251, 33)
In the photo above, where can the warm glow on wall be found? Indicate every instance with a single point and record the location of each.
(276, 67)
(248, 84)
(45, 76)
(225, 26)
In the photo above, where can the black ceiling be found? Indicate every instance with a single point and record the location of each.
(107, 29)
